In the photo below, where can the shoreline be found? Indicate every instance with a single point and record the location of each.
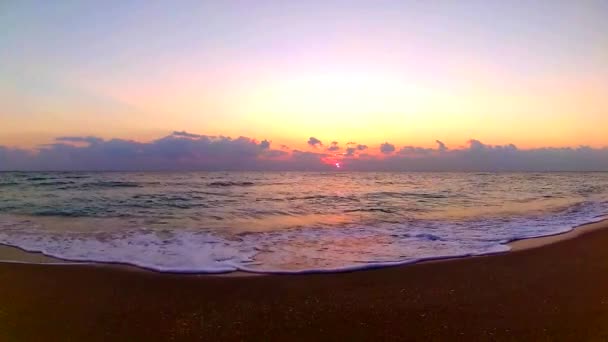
(556, 292)
(540, 241)
(16, 255)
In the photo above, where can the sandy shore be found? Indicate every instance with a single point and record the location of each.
(520, 245)
(553, 292)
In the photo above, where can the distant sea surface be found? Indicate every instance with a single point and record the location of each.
(272, 222)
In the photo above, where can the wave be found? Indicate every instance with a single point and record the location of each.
(383, 210)
(73, 185)
(76, 177)
(63, 213)
(111, 184)
(395, 194)
(54, 183)
(226, 184)
(290, 251)
(324, 198)
(37, 178)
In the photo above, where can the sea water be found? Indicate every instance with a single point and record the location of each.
(287, 222)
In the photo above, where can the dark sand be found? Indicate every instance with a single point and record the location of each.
(554, 292)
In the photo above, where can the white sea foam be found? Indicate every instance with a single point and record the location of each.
(300, 250)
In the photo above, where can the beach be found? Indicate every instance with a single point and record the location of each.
(550, 292)
(303, 171)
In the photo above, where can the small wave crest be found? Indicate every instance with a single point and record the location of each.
(110, 184)
(227, 184)
(34, 179)
(54, 183)
(405, 194)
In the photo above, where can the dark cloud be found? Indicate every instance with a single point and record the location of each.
(413, 150)
(333, 147)
(307, 161)
(187, 151)
(353, 147)
(265, 144)
(312, 141)
(441, 146)
(179, 150)
(476, 145)
(483, 157)
(276, 154)
(387, 148)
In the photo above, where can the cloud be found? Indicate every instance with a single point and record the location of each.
(350, 151)
(353, 147)
(184, 134)
(441, 146)
(276, 154)
(88, 140)
(483, 157)
(414, 151)
(333, 147)
(265, 144)
(387, 148)
(312, 141)
(476, 145)
(188, 151)
(177, 151)
(307, 161)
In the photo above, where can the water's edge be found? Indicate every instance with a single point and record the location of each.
(514, 245)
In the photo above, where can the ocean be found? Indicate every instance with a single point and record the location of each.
(287, 222)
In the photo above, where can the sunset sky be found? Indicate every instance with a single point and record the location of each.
(533, 74)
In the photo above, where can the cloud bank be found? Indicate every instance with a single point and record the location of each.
(188, 151)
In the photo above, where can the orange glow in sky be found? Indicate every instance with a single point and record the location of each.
(405, 72)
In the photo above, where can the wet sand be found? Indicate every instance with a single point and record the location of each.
(554, 292)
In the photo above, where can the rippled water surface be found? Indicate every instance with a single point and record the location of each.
(287, 222)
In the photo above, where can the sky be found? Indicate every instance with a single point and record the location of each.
(222, 77)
